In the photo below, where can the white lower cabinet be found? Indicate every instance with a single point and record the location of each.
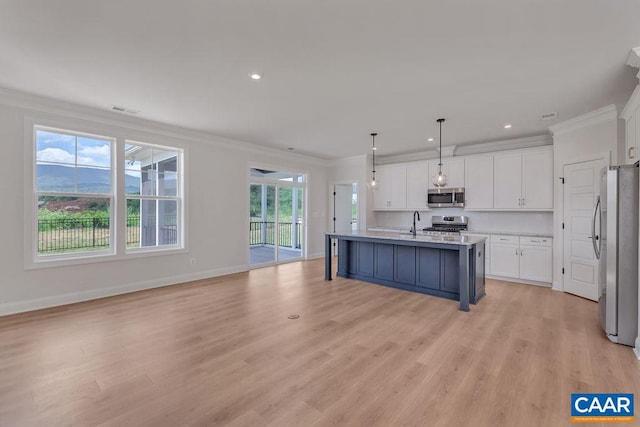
(505, 256)
(536, 257)
(520, 257)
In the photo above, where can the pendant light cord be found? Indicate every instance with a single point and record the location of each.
(440, 164)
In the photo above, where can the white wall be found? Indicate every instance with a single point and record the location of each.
(593, 135)
(217, 206)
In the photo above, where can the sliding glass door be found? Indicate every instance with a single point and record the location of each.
(276, 217)
(262, 224)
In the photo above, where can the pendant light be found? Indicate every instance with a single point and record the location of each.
(374, 184)
(440, 179)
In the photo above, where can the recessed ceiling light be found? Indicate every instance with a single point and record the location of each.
(375, 148)
(255, 76)
(430, 139)
(507, 126)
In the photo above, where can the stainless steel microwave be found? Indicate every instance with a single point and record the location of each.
(445, 198)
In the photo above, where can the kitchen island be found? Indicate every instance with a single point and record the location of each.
(445, 266)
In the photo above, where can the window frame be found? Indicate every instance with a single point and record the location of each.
(117, 196)
(178, 198)
(36, 194)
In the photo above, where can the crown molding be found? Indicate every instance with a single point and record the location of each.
(464, 150)
(66, 109)
(601, 115)
(349, 160)
(632, 104)
(633, 59)
(506, 144)
(447, 150)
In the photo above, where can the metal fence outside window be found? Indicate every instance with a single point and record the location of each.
(71, 234)
(267, 237)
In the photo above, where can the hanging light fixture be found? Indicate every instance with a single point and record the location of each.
(373, 185)
(440, 179)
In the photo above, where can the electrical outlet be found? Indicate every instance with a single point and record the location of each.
(192, 261)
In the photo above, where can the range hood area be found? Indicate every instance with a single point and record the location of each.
(445, 198)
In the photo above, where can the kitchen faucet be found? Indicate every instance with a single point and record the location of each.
(413, 230)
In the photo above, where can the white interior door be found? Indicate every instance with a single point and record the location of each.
(581, 188)
(343, 203)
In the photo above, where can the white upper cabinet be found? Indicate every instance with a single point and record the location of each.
(392, 187)
(508, 180)
(630, 114)
(452, 167)
(417, 185)
(523, 180)
(537, 179)
(507, 184)
(478, 182)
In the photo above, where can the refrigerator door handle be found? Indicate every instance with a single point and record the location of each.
(595, 239)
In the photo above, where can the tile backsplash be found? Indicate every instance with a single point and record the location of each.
(490, 221)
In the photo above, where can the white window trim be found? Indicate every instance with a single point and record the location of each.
(118, 250)
(179, 198)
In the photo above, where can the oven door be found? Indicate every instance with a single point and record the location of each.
(440, 198)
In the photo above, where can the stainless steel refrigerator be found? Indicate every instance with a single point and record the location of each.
(615, 242)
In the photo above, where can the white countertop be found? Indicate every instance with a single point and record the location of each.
(419, 237)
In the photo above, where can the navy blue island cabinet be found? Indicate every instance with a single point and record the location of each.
(445, 266)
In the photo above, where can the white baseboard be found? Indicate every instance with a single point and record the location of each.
(70, 298)
(316, 255)
(516, 280)
(636, 349)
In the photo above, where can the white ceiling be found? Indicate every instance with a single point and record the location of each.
(334, 70)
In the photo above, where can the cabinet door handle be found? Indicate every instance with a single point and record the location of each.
(631, 156)
(516, 251)
(522, 202)
(520, 252)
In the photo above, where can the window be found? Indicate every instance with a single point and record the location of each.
(74, 192)
(78, 191)
(152, 175)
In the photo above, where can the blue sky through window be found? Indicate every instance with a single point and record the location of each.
(70, 150)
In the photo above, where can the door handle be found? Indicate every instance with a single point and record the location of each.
(594, 237)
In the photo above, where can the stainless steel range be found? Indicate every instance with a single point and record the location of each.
(451, 225)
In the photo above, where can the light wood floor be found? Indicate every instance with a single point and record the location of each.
(222, 352)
